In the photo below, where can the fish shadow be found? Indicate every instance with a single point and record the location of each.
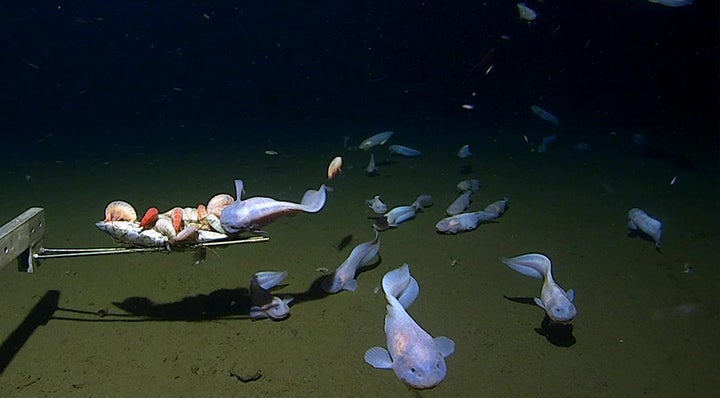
(218, 304)
(316, 292)
(558, 334)
(642, 235)
(346, 240)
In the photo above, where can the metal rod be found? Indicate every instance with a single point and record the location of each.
(103, 251)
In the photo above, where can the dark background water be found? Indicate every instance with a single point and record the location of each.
(74, 70)
(165, 103)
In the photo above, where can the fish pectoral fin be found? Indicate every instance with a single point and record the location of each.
(445, 345)
(570, 294)
(351, 285)
(257, 313)
(378, 357)
(539, 302)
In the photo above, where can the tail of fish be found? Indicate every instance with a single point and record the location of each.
(535, 265)
(400, 286)
(314, 200)
(269, 279)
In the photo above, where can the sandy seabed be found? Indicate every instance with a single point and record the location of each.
(161, 325)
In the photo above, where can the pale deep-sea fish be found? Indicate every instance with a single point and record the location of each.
(464, 151)
(545, 115)
(371, 169)
(377, 139)
(673, 3)
(422, 202)
(265, 305)
(344, 276)
(254, 213)
(557, 303)
(460, 204)
(640, 220)
(472, 185)
(413, 354)
(464, 221)
(404, 151)
(376, 205)
(526, 12)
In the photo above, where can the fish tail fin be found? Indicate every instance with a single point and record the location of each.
(535, 265)
(314, 200)
(399, 285)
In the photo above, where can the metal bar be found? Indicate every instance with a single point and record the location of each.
(103, 251)
(20, 236)
(43, 255)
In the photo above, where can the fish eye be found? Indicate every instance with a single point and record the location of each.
(412, 370)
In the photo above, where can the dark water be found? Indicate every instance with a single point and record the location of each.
(166, 104)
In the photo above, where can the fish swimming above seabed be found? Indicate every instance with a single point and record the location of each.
(673, 3)
(557, 303)
(344, 276)
(413, 354)
(547, 140)
(265, 305)
(526, 13)
(377, 139)
(371, 168)
(404, 151)
(256, 212)
(640, 220)
(464, 151)
(545, 115)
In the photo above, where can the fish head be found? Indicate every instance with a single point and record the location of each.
(560, 309)
(332, 283)
(421, 367)
(277, 309)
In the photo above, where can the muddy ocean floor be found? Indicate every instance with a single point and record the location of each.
(161, 325)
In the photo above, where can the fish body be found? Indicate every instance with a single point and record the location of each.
(557, 303)
(404, 151)
(265, 305)
(498, 207)
(254, 213)
(422, 202)
(545, 142)
(640, 220)
(469, 185)
(526, 12)
(545, 115)
(377, 139)
(460, 204)
(344, 276)
(464, 151)
(132, 234)
(377, 205)
(673, 3)
(413, 354)
(371, 168)
(464, 221)
(399, 215)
